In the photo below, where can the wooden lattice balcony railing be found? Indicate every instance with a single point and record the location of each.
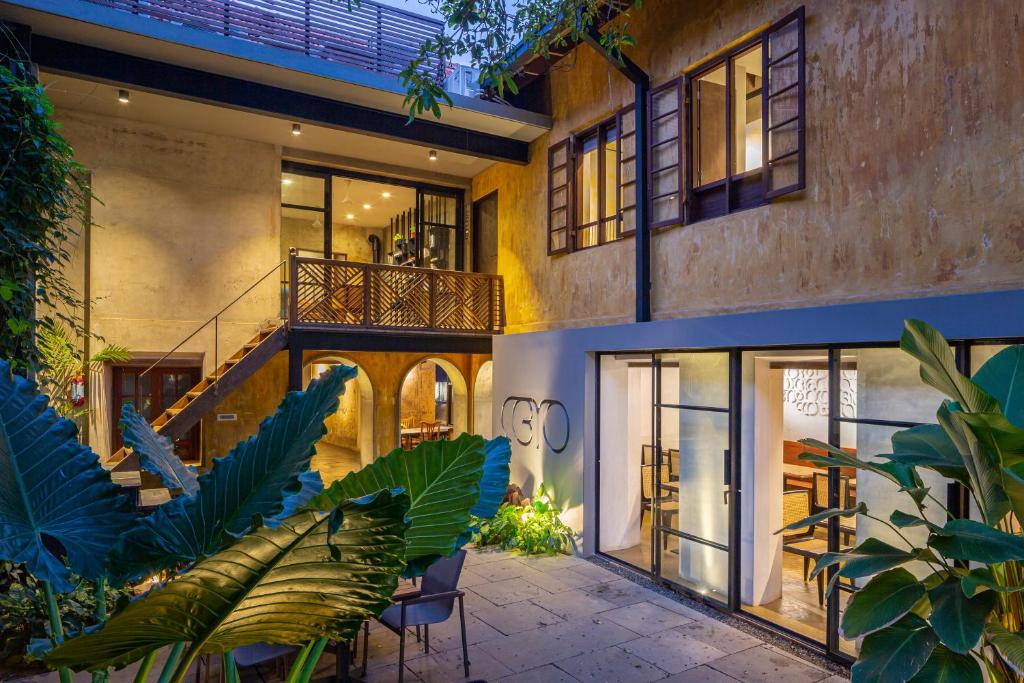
(369, 296)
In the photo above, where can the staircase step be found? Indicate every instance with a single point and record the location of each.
(193, 394)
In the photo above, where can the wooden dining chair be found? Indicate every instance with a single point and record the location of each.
(649, 490)
(646, 454)
(820, 501)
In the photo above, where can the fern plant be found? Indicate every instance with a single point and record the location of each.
(62, 361)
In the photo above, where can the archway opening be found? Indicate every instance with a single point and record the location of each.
(434, 396)
(482, 401)
(348, 444)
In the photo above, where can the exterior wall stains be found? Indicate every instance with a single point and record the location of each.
(914, 169)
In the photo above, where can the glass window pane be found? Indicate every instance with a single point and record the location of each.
(980, 353)
(665, 129)
(665, 156)
(709, 120)
(700, 568)
(302, 190)
(885, 384)
(703, 379)
(665, 209)
(746, 79)
(629, 220)
(664, 182)
(559, 155)
(587, 182)
(610, 174)
(127, 383)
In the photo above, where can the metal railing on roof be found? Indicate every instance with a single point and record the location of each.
(374, 37)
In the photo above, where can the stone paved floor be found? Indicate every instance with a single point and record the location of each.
(563, 620)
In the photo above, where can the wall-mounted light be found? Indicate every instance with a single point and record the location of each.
(432, 155)
(123, 96)
(296, 129)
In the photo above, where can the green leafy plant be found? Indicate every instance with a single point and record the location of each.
(61, 361)
(950, 608)
(532, 527)
(256, 549)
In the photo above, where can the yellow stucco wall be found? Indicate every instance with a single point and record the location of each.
(913, 169)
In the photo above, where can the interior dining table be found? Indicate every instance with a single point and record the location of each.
(411, 434)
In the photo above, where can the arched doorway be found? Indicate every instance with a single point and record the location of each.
(482, 401)
(432, 391)
(349, 442)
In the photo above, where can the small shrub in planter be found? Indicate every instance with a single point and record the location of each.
(531, 526)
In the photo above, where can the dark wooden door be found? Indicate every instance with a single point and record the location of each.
(151, 394)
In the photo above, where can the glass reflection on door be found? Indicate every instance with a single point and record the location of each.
(691, 510)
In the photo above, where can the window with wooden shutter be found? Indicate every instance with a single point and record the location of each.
(783, 104)
(665, 153)
(627, 171)
(559, 197)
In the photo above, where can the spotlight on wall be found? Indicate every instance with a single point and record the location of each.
(349, 216)
(296, 129)
(432, 155)
(385, 194)
(367, 206)
(286, 181)
(123, 96)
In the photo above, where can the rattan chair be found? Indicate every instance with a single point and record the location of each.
(648, 493)
(796, 505)
(820, 482)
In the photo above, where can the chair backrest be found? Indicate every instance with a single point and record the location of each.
(647, 454)
(673, 460)
(647, 480)
(796, 504)
(821, 490)
(443, 577)
(430, 431)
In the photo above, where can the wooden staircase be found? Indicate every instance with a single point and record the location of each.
(203, 397)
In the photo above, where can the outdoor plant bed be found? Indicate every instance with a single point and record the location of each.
(530, 526)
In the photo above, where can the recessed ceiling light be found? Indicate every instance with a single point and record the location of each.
(432, 155)
(367, 206)
(350, 216)
(296, 129)
(123, 96)
(286, 181)
(385, 194)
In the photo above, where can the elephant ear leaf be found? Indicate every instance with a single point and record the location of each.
(156, 453)
(1002, 376)
(443, 481)
(314, 575)
(56, 501)
(252, 481)
(312, 486)
(497, 454)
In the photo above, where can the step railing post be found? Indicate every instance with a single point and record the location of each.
(293, 286)
(367, 275)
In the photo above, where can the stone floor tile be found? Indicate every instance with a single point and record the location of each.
(509, 591)
(679, 605)
(645, 618)
(719, 635)
(836, 679)
(767, 665)
(556, 582)
(701, 674)
(499, 571)
(549, 673)
(446, 667)
(530, 649)
(591, 633)
(473, 601)
(672, 651)
(388, 674)
(448, 635)
(610, 665)
(573, 604)
(591, 570)
(554, 563)
(484, 555)
(517, 617)
(620, 592)
(470, 578)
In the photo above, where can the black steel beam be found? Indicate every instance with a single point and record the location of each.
(642, 88)
(92, 63)
(325, 340)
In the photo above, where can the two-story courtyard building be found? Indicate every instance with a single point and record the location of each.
(655, 276)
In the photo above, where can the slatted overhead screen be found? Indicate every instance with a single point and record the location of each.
(559, 196)
(627, 171)
(666, 140)
(783, 106)
(373, 37)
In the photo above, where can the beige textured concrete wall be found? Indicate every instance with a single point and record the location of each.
(185, 222)
(914, 176)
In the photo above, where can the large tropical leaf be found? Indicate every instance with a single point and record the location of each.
(868, 558)
(1002, 377)
(1010, 645)
(929, 446)
(945, 666)
(251, 481)
(443, 481)
(494, 483)
(966, 539)
(985, 475)
(938, 367)
(883, 601)
(957, 619)
(315, 575)
(824, 515)
(156, 453)
(896, 653)
(312, 486)
(55, 498)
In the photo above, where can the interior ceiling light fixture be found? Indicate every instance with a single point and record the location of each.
(350, 216)
(123, 96)
(367, 206)
(286, 181)
(432, 155)
(385, 194)
(296, 129)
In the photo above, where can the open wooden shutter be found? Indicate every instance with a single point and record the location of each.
(627, 171)
(665, 145)
(783, 106)
(559, 197)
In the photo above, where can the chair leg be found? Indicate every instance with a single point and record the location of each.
(419, 636)
(401, 654)
(366, 644)
(821, 590)
(465, 648)
(426, 639)
(807, 564)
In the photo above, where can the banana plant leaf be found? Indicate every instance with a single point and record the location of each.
(946, 666)
(882, 602)
(1002, 376)
(929, 446)
(966, 539)
(156, 453)
(896, 653)
(443, 480)
(251, 482)
(315, 575)
(957, 619)
(56, 501)
(938, 367)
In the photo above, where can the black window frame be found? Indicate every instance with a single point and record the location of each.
(599, 131)
(679, 112)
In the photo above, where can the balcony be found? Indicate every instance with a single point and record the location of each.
(373, 37)
(344, 295)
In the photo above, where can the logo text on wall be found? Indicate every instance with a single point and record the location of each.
(522, 417)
